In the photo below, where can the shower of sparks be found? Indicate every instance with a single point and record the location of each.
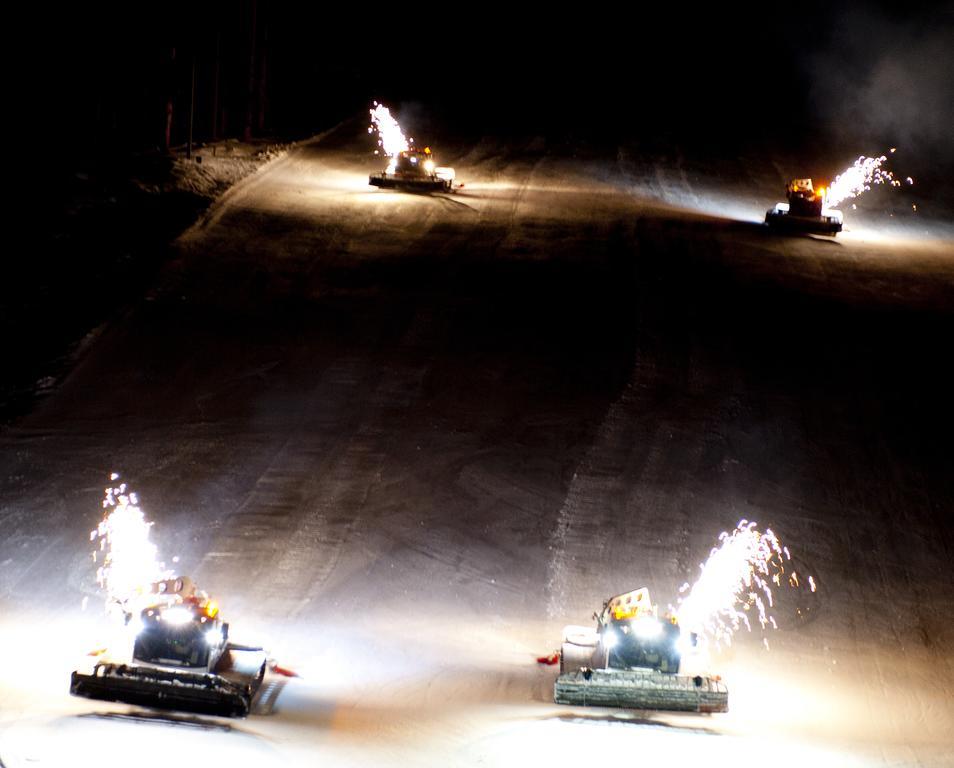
(859, 178)
(735, 582)
(128, 560)
(391, 138)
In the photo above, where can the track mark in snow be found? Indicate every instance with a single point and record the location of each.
(285, 536)
(578, 539)
(305, 508)
(675, 188)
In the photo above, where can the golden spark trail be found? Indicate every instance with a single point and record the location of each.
(736, 578)
(391, 138)
(129, 560)
(864, 173)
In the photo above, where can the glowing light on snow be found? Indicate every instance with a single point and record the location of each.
(735, 581)
(391, 138)
(129, 560)
(860, 177)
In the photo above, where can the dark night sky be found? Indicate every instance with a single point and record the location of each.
(727, 73)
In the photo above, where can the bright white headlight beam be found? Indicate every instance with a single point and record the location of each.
(177, 616)
(647, 628)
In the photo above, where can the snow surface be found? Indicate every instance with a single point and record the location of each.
(405, 439)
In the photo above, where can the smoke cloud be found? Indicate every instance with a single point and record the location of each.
(889, 82)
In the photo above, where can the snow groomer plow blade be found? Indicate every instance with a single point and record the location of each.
(641, 689)
(632, 660)
(203, 694)
(405, 184)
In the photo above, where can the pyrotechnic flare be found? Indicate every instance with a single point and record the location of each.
(129, 559)
(391, 138)
(859, 178)
(737, 577)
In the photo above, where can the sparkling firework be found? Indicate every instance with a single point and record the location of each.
(859, 178)
(736, 580)
(391, 138)
(129, 560)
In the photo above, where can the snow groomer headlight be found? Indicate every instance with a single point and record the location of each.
(647, 627)
(177, 616)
